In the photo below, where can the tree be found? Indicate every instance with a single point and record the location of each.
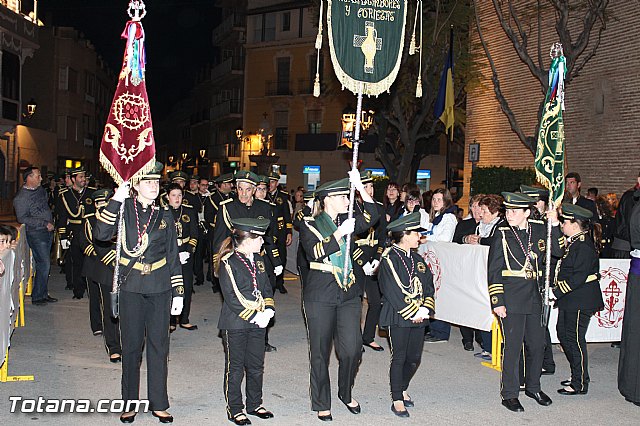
(405, 126)
(522, 23)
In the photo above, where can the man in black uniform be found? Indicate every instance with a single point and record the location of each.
(515, 270)
(223, 192)
(282, 233)
(621, 247)
(70, 209)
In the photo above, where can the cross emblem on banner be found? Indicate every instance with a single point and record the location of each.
(612, 290)
(369, 44)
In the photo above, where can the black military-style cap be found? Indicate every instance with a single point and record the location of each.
(535, 192)
(246, 176)
(308, 195)
(247, 224)
(263, 179)
(516, 200)
(274, 176)
(179, 175)
(366, 176)
(410, 222)
(194, 177)
(76, 171)
(572, 211)
(225, 178)
(154, 173)
(101, 195)
(335, 187)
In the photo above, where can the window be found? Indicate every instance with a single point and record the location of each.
(283, 73)
(257, 28)
(10, 76)
(269, 33)
(314, 120)
(282, 138)
(63, 78)
(72, 129)
(286, 21)
(62, 126)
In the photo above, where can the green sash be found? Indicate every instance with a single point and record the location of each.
(327, 228)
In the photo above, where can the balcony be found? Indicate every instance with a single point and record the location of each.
(227, 26)
(278, 88)
(226, 110)
(305, 87)
(231, 66)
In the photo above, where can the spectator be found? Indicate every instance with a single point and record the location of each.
(592, 194)
(621, 241)
(607, 224)
(469, 225)
(392, 203)
(426, 200)
(406, 188)
(298, 201)
(412, 204)
(612, 199)
(492, 216)
(573, 182)
(32, 209)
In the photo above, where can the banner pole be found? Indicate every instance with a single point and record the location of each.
(352, 193)
(115, 288)
(546, 308)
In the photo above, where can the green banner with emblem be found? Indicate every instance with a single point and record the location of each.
(366, 38)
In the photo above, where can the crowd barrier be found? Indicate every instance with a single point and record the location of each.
(13, 282)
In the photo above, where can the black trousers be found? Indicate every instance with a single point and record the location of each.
(406, 353)
(374, 303)
(328, 324)
(110, 325)
(215, 283)
(144, 321)
(548, 363)
(572, 329)
(187, 278)
(95, 306)
(282, 251)
(519, 329)
(198, 258)
(73, 269)
(243, 355)
(629, 363)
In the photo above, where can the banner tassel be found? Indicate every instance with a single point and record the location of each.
(412, 43)
(419, 88)
(419, 49)
(319, 36)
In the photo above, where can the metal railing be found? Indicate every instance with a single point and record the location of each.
(278, 88)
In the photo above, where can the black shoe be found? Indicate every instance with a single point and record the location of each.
(40, 302)
(548, 372)
(128, 419)
(198, 283)
(77, 297)
(403, 413)
(432, 339)
(513, 404)
(50, 299)
(215, 289)
(353, 410)
(163, 419)
(468, 346)
(540, 397)
(409, 403)
(615, 345)
(270, 348)
(261, 412)
(283, 290)
(115, 359)
(189, 327)
(573, 391)
(565, 383)
(240, 419)
(172, 328)
(97, 333)
(325, 417)
(375, 348)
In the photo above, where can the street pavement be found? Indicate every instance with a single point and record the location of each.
(451, 387)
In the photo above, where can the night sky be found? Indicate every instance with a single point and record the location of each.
(178, 39)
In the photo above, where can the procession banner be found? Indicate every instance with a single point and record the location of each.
(366, 39)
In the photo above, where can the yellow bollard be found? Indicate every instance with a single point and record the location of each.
(496, 347)
(31, 275)
(21, 314)
(4, 373)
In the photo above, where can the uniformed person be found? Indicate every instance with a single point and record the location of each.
(199, 198)
(407, 287)
(370, 245)
(515, 271)
(70, 209)
(577, 289)
(282, 233)
(186, 223)
(224, 191)
(301, 260)
(332, 300)
(98, 268)
(247, 309)
(151, 288)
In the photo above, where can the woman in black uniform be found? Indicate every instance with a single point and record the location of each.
(332, 301)
(578, 293)
(246, 311)
(185, 219)
(407, 301)
(150, 291)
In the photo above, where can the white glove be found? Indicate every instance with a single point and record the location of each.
(122, 193)
(261, 319)
(354, 177)
(367, 269)
(278, 270)
(184, 256)
(423, 313)
(176, 305)
(347, 227)
(65, 244)
(270, 313)
(374, 265)
(310, 203)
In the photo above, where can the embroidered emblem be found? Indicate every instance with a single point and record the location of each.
(494, 300)
(279, 200)
(88, 201)
(260, 265)
(180, 289)
(541, 245)
(163, 224)
(186, 218)
(422, 267)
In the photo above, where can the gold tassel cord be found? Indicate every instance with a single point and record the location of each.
(316, 81)
(319, 36)
(412, 43)
(419, 50)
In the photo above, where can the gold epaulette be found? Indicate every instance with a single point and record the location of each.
(228, 200)
(541, 222)
(226, 256)
(187, 205)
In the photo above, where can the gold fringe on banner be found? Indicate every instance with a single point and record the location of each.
(111, 169)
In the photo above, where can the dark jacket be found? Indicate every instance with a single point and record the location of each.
(464, 228)
(32, 208)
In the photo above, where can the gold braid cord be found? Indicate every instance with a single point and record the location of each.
(257, 305)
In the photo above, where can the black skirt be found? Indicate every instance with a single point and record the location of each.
(629, 365)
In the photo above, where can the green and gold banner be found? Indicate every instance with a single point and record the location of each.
(366, 38)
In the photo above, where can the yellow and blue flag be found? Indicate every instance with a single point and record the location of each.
(443, 109)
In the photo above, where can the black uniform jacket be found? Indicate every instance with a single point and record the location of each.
(399, 303)
(463, 228)
(371, 243)
(235, 277)
(321, 285)
(234, 209)
(99, 255)
(280, 200)
(70, 211)
(211, 206)
(158, 268)
(508, 282)
(185, 219)
(577, 283)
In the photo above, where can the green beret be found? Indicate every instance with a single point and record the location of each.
(535, 192)
(410, 222)
(178, 175)
(154, 173)
(255, 226)
(246, 176)
(572, 211)
(263, 179)
(274, 176)
(226, 178)
(516, 200)
(335, 187)
(76, 171)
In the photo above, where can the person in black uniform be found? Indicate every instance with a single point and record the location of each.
(301, 257)
(70, 208)
(99, 270)
(515, 269)
(578, 294)
(407, 289)
(282, 213)
(370, 245)
(224, 191)
(629, 364)
(331, 299)
(199, 197)
(186, 223)
(151, 288)
(246, 311)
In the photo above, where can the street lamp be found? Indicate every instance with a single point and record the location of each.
(239, 133)
(31, 108)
